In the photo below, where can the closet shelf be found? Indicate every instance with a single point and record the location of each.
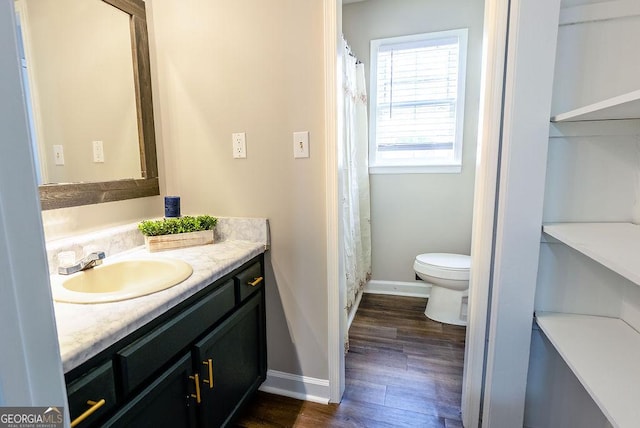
(626, 106)
(603, 353)
(613, 245)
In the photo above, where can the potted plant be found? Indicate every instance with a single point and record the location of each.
(178, 232)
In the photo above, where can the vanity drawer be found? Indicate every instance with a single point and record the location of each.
(249, 281)
(89, 390)
(139, 360)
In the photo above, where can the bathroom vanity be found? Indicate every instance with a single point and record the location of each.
(193, 366)
(188, 356)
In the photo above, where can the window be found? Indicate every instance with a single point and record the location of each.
(417, 102)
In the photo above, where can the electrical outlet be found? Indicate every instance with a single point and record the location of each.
(98, 152)
(58, 154)
(301, 144)
(239, 145)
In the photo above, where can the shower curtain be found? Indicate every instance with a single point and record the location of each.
(356, 212)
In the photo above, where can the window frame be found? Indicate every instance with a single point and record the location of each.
(407, 167)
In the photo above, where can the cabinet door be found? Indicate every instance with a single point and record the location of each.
(166, 402)
(231, 360)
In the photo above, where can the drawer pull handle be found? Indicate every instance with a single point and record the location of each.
(95, 405)
(256, 281)
(209, 364)
(196, 379)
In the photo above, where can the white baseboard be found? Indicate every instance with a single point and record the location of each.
(296, 386)
(399, 288)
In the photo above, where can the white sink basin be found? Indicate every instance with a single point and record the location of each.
(120, 280)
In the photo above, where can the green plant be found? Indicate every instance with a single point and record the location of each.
(171, 226)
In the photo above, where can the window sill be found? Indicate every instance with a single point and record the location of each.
(415, 169)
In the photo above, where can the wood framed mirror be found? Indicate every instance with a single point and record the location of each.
(53, 196)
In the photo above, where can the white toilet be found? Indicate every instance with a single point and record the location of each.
(449, 276)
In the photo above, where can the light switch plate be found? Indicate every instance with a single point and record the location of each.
(239, 145)
(58, 154)
(301, 144)
(98, 152)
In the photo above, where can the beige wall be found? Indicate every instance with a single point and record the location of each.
(256, 67)
(419, 213)
(220, 67)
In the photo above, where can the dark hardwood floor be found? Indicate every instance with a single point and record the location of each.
(402, 370)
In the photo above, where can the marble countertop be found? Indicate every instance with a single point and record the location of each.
(86, 329)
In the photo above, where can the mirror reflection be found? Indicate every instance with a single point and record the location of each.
(78, 74)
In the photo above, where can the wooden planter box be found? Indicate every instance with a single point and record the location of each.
(179, 240)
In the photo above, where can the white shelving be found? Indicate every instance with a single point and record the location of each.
(626, 106)
(603, 353)
(614, 245)
(589, 146)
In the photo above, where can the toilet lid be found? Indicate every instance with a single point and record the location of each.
(444, 265)
(446, 261)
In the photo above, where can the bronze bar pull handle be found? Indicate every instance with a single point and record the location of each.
(209, 364)
(256, 281)
(196, 379)
(95, 405)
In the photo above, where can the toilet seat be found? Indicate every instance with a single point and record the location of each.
(444, 265)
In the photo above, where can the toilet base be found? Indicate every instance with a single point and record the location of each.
(447, 306)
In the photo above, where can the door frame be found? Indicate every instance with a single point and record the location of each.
(31, 369)
(496, 15)
(494, 44)
(336, 285)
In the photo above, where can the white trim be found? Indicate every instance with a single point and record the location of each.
(336, 323)
(399, 288)
(420, 169)
(296, 386)
(489, 128)
(599, 12)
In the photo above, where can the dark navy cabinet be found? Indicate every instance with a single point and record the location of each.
(195, 366)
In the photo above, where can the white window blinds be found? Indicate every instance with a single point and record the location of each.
(417, 111)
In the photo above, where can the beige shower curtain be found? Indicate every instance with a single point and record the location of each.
(355, 180)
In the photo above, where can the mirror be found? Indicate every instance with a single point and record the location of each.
(91, 117)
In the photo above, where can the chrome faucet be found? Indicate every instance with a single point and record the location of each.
(91, 260)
